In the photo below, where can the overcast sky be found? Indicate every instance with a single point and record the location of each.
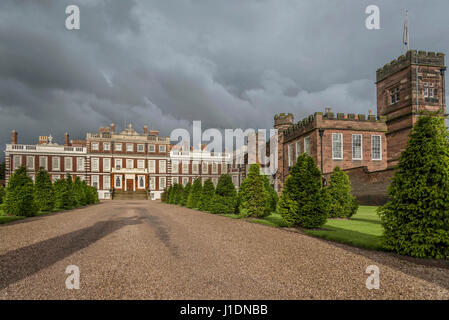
(164, 63)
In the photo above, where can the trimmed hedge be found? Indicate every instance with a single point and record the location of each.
(63, 199)
(185, 194)
(19, 198)
(80, 192)
(224, 200)
(416, 217)
(343, 203)
(206, 196)
(304, 202)
(195, 194)
(43, 191)
(254, 199)
(2, 193)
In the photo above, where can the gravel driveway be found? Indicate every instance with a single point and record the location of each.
(150, 250)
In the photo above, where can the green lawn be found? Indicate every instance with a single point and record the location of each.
(5, 218)
(362, 230)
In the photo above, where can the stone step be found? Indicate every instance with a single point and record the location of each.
(130, 195)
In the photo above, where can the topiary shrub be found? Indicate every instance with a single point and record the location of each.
(177, 193)
(224, 200)
(2, 194)
(185, 194)
(206, 196)
(79, 193)
(416, 217)
(62, 193)
(169, 194)
(43, 191)
(19, 197)
(164, 195)
(304, 202)
(343, 203)
(69, 180)
(254, 199)
(272, 194)
(195, 194)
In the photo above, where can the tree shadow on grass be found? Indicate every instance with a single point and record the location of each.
(415, 267)
(366, 220)
(21, 263)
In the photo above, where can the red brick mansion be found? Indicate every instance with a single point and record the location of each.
(367, 147)
(126, 161)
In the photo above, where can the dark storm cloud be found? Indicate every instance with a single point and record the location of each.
(166, 63)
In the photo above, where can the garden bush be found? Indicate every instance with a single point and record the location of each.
(63, 198)
(272, 194)
(195, 194)
(416, 217)
(43, 191)
(2, 194)
(304, 202)
(69, 180)
(224, 200)
(19, 196)
(206, 196)
(79, 193)
(185, 194)
(343, 203)
(254, 199)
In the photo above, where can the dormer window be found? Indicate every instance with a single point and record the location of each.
(394, 95)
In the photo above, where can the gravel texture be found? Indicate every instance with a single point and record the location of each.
(150, 250)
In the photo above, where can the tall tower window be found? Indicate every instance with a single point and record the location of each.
(429, 90)
(394, 95)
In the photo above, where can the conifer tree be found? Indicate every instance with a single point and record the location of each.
(43, 191)
(19, 198)
(164, 195)
(179, 190)
(170, 194)
(185, 194)
(254, 197)
(79, 193)
(272, 194)
(195, 194)
(2, 194)
(416, 217)
(224, 200)
(343, 203)
(62, 192)
(304, 202)
(69, 181)
(206, 195)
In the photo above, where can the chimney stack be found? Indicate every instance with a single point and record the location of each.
(328, 110)
(14, 137)
(112, 127)
(66, 139)
(145, 129)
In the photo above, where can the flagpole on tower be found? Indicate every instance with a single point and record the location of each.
(406, 38)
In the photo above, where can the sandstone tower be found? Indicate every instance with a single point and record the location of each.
(282, 122)
(411, 84)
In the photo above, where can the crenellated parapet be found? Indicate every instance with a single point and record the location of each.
(340, 120)
(283, 120)
(427, 58)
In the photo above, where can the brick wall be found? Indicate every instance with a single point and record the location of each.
(370, 188)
